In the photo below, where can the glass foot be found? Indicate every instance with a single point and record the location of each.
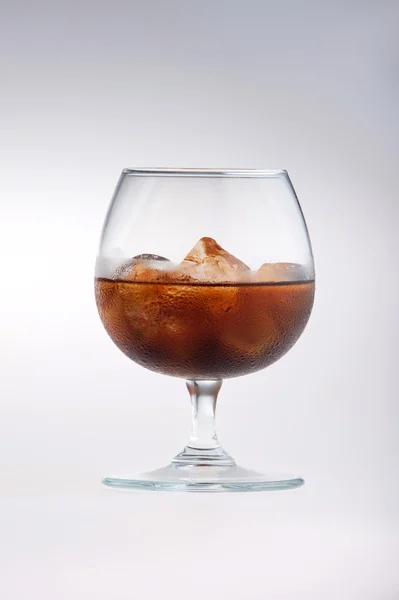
(207, 478)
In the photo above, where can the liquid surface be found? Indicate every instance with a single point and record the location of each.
(204, 331)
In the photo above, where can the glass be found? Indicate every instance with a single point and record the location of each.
(232, 305)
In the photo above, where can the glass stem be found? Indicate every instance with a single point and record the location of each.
(203, 447)
(203, 405)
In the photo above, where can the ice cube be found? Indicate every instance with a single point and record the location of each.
(208, 261)
(280, 272)
(150, 257)
(151, 268)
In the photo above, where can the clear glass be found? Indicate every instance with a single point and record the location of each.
(204, 274)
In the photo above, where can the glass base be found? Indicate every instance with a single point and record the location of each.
(207, 478)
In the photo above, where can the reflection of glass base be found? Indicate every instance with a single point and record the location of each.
(189, 478)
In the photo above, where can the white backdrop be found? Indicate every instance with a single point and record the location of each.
(91, 87)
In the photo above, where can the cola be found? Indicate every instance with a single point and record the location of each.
(209, 316)
(204, 330)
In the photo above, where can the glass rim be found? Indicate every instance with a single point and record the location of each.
(203, 172)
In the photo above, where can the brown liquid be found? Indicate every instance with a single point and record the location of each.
(204, 331)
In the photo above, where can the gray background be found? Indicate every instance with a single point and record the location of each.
(91, 87)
